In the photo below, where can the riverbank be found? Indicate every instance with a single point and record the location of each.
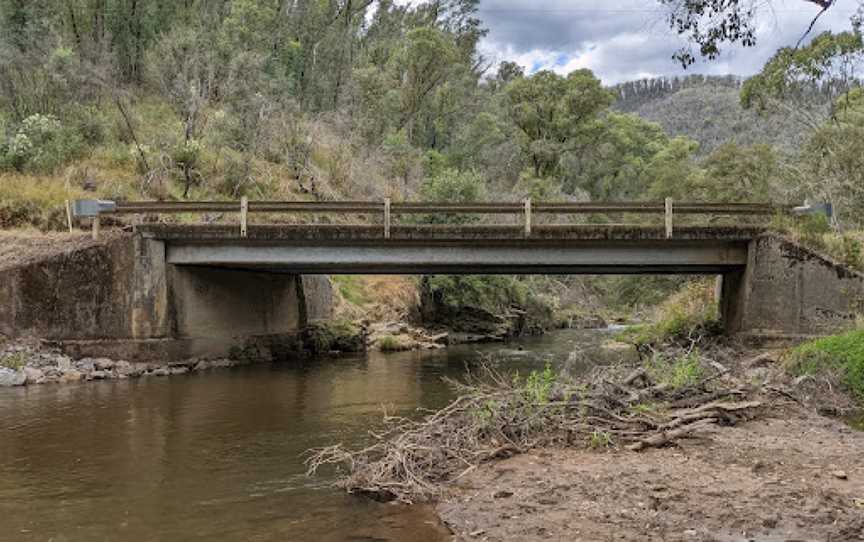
(723, 445)
(793, 475)
(26, 363)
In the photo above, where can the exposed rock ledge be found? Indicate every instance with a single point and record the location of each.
(28, 364)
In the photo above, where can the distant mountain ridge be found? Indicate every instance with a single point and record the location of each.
(707, 109)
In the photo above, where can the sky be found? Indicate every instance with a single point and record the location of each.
(622, 40)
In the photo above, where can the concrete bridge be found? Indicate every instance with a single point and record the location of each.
(188, 290)
(457, 250)
(767, 284)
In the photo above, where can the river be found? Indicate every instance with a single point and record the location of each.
(218, 455)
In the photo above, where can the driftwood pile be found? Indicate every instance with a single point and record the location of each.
(496, 416)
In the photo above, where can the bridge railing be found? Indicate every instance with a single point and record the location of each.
(387, 209)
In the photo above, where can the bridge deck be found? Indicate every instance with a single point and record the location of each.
(338, 249)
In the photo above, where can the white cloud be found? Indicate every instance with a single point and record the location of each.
(623, 40)
(628, 39)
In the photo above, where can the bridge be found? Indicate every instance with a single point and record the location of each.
(249, 272)
(457, 250)
(378, 243)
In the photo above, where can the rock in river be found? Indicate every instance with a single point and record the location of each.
(9, 378)
(34, 375)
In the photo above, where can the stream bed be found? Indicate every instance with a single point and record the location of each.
(219, 455)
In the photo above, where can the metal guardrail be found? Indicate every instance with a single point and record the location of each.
(95, 209)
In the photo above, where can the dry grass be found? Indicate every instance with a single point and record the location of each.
(376, 297)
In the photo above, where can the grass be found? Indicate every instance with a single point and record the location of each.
(600, 440)
(352, 288)
(839, 356)
(39, 202)
(676, 372)
(390, 343)
(815, 233)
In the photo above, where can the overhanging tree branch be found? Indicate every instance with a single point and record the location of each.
(826, 4)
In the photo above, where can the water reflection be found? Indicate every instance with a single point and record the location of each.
(218, 456)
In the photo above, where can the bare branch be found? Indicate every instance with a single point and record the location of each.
(826, 4)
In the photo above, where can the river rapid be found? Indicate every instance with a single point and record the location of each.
(219, 455)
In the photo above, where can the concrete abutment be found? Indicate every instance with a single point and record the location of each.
(787, 290)
(123, 300)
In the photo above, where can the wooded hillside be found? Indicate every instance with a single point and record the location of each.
(708, 110)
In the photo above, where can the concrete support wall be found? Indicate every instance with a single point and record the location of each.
(83, 294)
(789, 290)
(123, 300)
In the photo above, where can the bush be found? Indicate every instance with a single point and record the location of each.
(489, 292)
(40, 144)
(841, 356)
(186, 157)
(687, 315)
(452, 186)
(14, 361)
(335, 336)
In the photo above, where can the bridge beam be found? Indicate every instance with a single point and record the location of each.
(467, 258)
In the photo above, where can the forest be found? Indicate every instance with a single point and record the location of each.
(355, 99)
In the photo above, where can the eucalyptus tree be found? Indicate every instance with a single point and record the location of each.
(710, 25)
(553, 112)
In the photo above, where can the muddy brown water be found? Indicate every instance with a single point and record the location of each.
(218, 455)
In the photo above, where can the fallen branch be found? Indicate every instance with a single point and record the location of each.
(495, 416)
(665, 437)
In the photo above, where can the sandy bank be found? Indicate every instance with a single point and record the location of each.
(791, 476)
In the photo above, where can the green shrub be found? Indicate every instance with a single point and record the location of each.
(452, 186)
(40, 144)
(490, 292)
(600, 440)
(839, 355)
(689, 314)
(539, 385)
(14, 361)
(335, 336)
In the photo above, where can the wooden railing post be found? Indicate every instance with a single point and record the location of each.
(387, 218)
(95, 227)
(669, 223)
(69, 215)
(527, 217)
(244, 216)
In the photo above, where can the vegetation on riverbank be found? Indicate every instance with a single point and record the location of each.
(687, 316)
(338, 335)
(839, 359)
(498, 416)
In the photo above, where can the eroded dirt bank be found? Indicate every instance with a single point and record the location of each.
(793, 475)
